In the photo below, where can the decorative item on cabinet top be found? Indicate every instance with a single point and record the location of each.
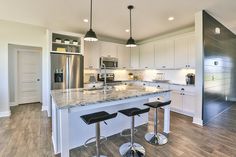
(65, 44)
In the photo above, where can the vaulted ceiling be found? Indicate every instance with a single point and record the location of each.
(111, 17)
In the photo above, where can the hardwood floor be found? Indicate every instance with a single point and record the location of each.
(27, 133)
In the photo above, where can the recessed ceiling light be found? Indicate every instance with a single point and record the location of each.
(171, 18)
(86, 20)
(127, 30)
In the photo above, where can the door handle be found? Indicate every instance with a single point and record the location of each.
(38, 80)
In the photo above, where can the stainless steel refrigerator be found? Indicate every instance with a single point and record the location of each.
(67, 71)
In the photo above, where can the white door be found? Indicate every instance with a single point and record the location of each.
(29, 77)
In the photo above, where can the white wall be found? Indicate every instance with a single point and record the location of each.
(20, 34)
(197, 119)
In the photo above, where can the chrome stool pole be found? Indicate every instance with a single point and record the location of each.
(132, 149)
(156, 138)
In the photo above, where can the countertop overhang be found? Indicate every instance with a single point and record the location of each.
(81, 97)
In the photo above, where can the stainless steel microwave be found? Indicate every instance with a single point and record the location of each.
(109, 62)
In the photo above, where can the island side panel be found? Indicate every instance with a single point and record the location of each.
(80, 132)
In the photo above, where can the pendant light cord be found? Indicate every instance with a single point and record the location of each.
(91, 12)
(130, 32)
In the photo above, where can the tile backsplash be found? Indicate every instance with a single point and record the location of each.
(175, 76)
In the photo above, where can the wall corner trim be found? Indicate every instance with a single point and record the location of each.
(5, 114)
(197, 121)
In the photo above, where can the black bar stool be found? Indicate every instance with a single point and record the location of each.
(132, 149)
(97, 118)
(156, 138)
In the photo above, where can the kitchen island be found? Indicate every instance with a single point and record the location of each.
(69, 131)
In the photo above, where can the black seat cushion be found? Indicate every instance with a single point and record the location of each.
(134, 111)
(157, 104)
(97, 117)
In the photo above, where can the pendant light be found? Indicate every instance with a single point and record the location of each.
(131, 42)
(91, 35)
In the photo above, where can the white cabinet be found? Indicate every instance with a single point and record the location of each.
(108, 49)
(183, 100)
(91, 54)
(188, 103)
(176, 101)
(134, 58)
(185, 52)
(164, 54)
(123, 54)
(147, 55)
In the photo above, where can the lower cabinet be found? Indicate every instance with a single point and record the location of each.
(183, 102)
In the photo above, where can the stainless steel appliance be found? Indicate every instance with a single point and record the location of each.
(110, 79)
(66, 71)
(190, 79)
(109, 62)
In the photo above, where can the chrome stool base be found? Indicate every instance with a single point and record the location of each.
(157, 139)
(126, 150)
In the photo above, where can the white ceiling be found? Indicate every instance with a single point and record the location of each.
(111, 17)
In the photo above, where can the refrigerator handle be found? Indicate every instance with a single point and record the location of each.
(67, 72)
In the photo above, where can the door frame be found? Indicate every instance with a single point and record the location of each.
(18, 50)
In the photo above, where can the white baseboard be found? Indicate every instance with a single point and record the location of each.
(197, 121)
(13, 104)
(5, 114)
(44, 108)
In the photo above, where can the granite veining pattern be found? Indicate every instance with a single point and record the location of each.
(81, 97)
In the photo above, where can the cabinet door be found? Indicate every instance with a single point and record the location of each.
(164, 54)
(147, 56)
(108, 49)
(191, 52)
(91, 54)
(123, 54)
(134, 58)
(181, 52)
(188, 104)
(176, 101)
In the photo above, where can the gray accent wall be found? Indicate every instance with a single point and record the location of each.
(219, 67)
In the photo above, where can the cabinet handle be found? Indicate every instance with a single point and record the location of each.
(158, 98)
(158, 86)
(144, 84)
(182, 88)
(183, 94)
(94, 86)
(146, 67)
(163, 66)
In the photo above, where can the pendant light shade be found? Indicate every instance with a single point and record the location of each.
(131, 42)
(91, 35)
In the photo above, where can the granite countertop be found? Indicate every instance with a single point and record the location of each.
(82, 97)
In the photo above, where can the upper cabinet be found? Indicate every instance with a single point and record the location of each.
(185, 52)
(164, 54)
(92, 54)
(147, 56)
(108, 49)
(123, 54)
(134, 57)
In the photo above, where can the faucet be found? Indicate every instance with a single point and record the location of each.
(105, 75)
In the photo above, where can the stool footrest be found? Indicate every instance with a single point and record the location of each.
(129, 132)
(102, 140)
